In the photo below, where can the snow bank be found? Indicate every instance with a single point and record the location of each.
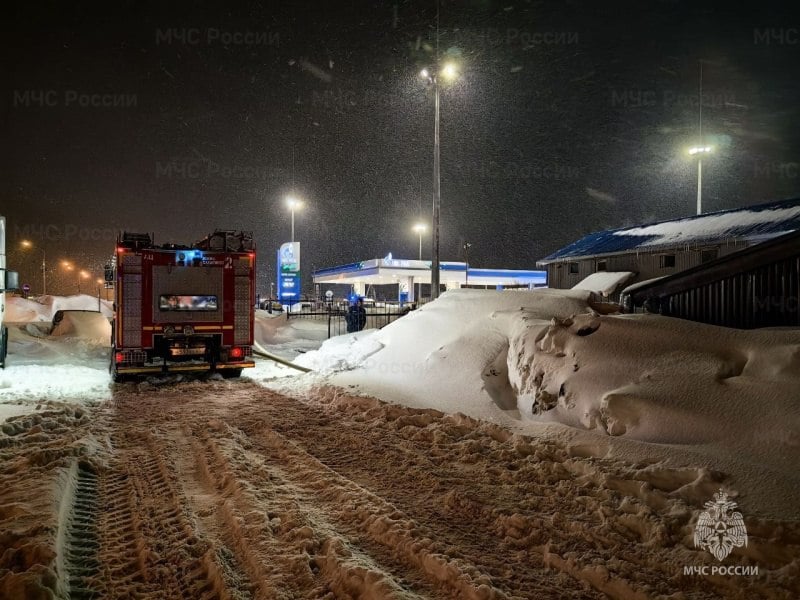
(632, 386)
(31, 383)
(69, 364)
(42, 308)
(91, 327)
(288, 337)
(21, 310)
(657, 379)
(435, 356)
(604, 282)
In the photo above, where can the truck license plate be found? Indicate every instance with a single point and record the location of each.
(186, 351)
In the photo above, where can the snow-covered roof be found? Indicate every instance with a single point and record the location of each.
(751, 223)
(604, 282)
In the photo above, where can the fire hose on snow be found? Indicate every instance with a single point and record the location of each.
(260, 351)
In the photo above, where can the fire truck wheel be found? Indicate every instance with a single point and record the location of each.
(230, 373)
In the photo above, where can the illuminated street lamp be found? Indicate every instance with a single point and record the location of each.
(70, 267)
(699, 151)
(293, 204)
(82, 275)
(27, 244)
(448, 72)
(420, 228)
(101, 285)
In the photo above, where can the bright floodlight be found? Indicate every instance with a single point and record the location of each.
(26, 244)
(424, 73)
(84, 275)
(449, 71)
(420, 227)
(699, 150)
(293, 203)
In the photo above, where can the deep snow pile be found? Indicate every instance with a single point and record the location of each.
(70, 364)
(713, 397)
(288, 337)
(67, 362)
(42, 308)
(90, 327)
(435, 357)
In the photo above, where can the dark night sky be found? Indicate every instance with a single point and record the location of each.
(568, 117)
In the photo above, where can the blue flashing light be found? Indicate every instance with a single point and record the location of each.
(188, 257)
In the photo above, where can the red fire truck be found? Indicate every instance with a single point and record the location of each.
(182, 308)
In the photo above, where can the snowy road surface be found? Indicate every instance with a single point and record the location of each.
(224, 489)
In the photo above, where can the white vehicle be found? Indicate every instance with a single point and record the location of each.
(8, 281)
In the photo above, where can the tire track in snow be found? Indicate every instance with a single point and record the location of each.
(368, 515)
(283, 536)
(227, 490)
(359, 498)
(486, 489)
(148, 544)
(230, 522)
(81, 545)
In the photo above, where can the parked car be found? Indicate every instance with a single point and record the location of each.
(271, 306)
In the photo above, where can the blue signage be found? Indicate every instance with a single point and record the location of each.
(289, 257)
(288, 287)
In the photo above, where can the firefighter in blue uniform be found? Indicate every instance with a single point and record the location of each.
(356, 316)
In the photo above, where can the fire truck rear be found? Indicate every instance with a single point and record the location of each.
(183, 308)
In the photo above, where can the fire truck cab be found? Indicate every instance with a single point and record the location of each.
(182, 308)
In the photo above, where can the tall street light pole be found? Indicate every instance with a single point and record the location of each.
(467, 246)
(28, 244)
(437, 197)
(702, 149)
(293, 204)
(449, 72)
(69, 267)
(420, 229)
(699, 151)
(82, 275)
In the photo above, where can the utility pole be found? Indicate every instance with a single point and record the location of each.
(467, 246)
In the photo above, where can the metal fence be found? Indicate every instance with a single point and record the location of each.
(335, 314)
(755, 287)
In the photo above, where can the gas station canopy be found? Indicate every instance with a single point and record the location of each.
(408, 273)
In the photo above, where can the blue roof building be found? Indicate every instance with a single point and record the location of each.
(667, 247)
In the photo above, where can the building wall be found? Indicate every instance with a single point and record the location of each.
(763, 297)
(645, 265)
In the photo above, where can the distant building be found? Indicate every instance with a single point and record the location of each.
(755, 287)
(407, 275)
(617, 258)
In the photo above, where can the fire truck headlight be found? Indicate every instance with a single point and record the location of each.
(188, 330)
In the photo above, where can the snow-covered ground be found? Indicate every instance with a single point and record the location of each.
(722, 403)
(70, 361)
